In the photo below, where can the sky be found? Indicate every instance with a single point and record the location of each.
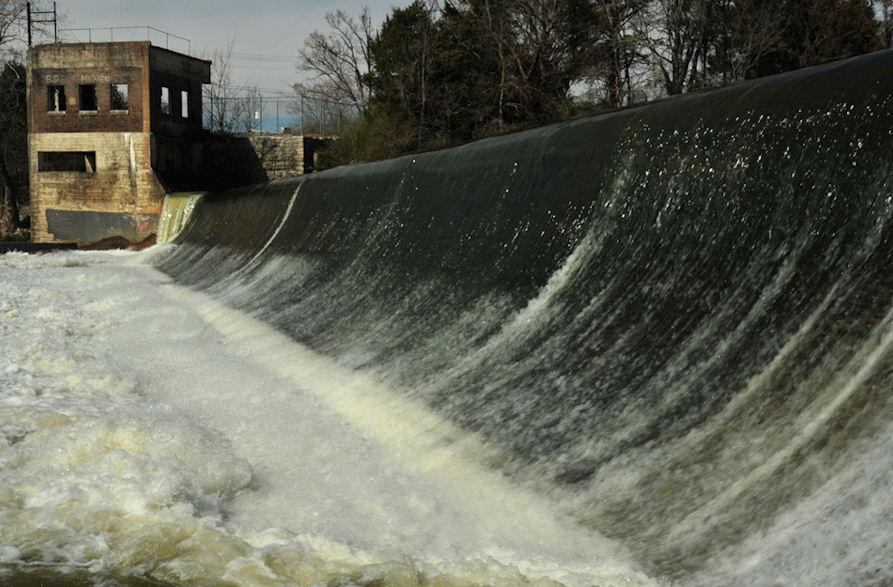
(267, 33)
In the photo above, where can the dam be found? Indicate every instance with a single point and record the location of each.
(653, 346)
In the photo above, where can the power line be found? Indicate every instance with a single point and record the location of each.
(284, 93)
(265, 58)
(262, 67)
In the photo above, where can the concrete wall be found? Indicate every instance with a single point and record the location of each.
(232, 161)
(280, 156)
(178, 73)
(123, 183)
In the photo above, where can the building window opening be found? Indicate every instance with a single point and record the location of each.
(56, 98)
(88, 97)
(118, 95)
(184, 104)
(165, 100)
(79, 161)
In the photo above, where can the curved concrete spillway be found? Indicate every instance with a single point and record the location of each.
(676, 320)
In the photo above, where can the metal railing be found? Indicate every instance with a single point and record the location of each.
(93, 35)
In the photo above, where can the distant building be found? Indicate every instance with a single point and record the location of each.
(112, 127)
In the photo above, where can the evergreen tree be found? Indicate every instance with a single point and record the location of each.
(402, 56)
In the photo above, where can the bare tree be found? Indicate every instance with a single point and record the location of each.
(432, 7)
(500, 32)
(535, 50)
(551, 40)
(676, 34)
(885, 9)
(339, 60)
(12, 141)
(751, 34)
(618, 48)
(12, 108)
(251, 109)
(12, 29)
(225, 111)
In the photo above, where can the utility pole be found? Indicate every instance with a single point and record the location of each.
(42, 17)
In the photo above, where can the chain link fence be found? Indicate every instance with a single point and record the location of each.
(301, 114)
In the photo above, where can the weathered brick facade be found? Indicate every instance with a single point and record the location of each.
(100, 171)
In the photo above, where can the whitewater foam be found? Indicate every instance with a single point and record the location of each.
(147, 430)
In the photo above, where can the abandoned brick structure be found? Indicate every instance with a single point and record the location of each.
(112, 127)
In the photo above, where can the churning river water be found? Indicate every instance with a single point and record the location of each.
(147, 430)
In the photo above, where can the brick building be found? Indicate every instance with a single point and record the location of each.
(112, 127)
